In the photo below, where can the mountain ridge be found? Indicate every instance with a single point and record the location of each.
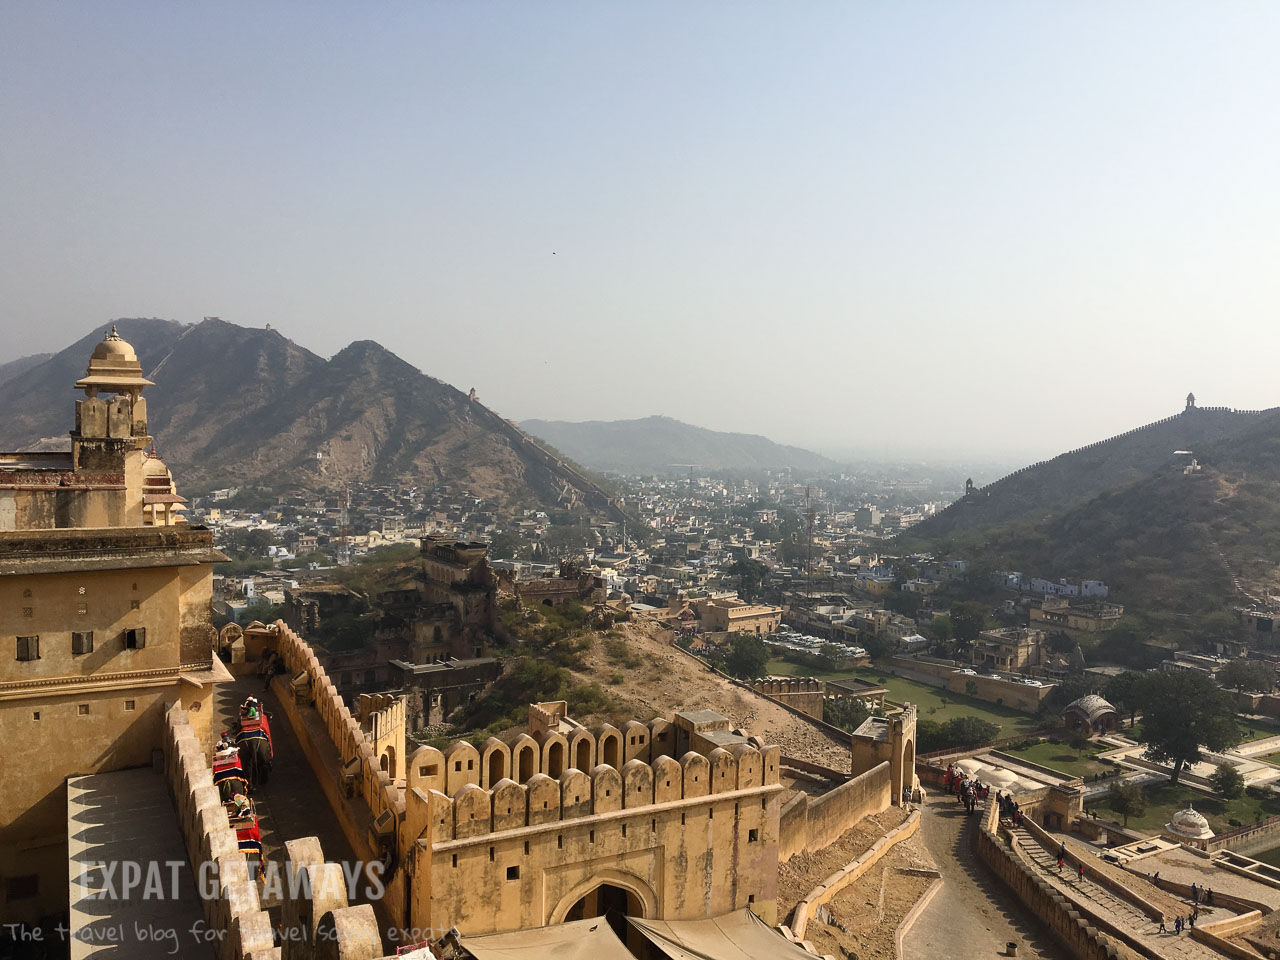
(238, 405)
(659, 444)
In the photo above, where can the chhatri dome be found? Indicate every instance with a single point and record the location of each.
(114, 368)
(1188, 823)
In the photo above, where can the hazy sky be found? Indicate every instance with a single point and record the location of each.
(997, 228)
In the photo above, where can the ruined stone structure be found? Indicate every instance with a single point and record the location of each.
(104, 620)
(459, 601)
(572, 584)
(435, 690)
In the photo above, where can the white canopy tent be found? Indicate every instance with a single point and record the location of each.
(735, 936)
(590, 939)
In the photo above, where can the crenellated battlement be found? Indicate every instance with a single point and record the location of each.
(373, 738)
(445, 789)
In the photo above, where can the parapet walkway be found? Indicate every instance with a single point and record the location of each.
(291, 805)
(1097, 901)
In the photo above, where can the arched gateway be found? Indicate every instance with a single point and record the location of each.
(614, 894)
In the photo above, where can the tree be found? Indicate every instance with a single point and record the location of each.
(504, 546)
(1244, 674)
(847, 713)
(1183, 710)
(968, 619)
(750, 574)
(1060, 642)
(264, 611)
(747, 657)
(900, 601)
(1228, 781)
(1128, 800)
(1122, 692)
(879, 645)
(939, 628)
(971, 731)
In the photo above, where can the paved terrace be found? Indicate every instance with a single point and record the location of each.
(115, 818)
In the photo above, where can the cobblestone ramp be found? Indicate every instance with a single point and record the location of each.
(1099, 902)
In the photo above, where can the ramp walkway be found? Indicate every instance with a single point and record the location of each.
(1094, 900)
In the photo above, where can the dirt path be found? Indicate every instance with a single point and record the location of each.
(973, 914)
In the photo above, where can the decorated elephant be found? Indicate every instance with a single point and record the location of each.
(255, 756)
(228, 775)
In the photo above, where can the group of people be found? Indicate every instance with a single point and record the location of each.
(1181, 923)
(1009, 809)
(968, 790)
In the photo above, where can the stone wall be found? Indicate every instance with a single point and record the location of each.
(832, 885)
(1247, 840)
(367, 803)
(802, 695)
(811, 823)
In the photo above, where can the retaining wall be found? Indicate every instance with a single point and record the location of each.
(832, 885)
(811, 823)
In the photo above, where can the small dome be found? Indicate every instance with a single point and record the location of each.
(114, 368)
(114, 347)
(1188, 823)
(153, 466)
(1090, 706)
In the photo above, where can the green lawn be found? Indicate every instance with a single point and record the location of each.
(1165, 799)
(929, 699)
(1065, 758)
(1250, 730)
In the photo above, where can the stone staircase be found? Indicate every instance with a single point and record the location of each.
(1099, 902)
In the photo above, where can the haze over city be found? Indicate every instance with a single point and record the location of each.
(986, 230)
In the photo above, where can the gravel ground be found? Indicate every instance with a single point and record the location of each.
(667, 679)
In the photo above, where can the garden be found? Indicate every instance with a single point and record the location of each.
(1164, 799)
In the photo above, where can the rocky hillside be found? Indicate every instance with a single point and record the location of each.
(1175, 545)
(1048, 488)
(234, 405)
(14, 367)
(660, 445)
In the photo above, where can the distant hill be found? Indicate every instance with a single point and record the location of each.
(1170, 543)
(14, 367)
(235, 405)
(1052, 486)
(661, 445)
